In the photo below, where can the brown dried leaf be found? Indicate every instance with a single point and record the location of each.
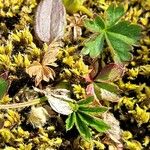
(115, 132)
(74, 27)
(50, 111)
(42, 71)
(50, 20)
(50, 57)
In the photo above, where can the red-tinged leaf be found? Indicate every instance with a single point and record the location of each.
(97, 91)
(94, 69)
(107, 91)
(4, 75)
(90, 90)
(110, 73)
(88, 78)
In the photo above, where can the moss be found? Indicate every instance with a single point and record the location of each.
(19, 48)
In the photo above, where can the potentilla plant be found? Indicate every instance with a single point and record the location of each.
(80, 113)
(119, 35)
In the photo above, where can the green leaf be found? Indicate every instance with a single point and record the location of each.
(119, 49)
(94, 122)
(94, 47)
(93, 109)
(95, 26)
(3, 87)
(127, 30)
(86, 101)
(119, 35)
(82, 128)
(110, 73)
(120, 39)
(70, 121)
(114, 14)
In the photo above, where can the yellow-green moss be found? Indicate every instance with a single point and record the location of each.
(19, 47)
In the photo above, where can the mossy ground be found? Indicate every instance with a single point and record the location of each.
(19, 47)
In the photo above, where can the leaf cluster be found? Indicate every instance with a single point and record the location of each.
(119, 35)
(83, 118)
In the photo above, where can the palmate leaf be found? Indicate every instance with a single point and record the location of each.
(120, 36)
(42, 70)
(83, 121)
(3, 87)
(120, 39)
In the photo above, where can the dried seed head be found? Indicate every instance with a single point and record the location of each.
(38, 116)
(50, 20)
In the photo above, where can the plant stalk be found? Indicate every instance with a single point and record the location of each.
(24, 104)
